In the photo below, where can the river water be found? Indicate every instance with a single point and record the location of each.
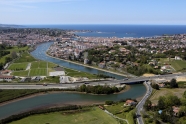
(135, 91)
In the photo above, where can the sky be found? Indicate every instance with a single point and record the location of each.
(35, 12)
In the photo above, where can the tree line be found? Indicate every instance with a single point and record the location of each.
(99, 89)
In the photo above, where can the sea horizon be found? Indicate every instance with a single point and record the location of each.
(118, 30)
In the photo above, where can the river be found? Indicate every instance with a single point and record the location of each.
(135, 91)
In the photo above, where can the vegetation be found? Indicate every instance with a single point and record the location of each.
(18, 66)
(125, 112)
(90, 115)
(6, 95)
(33, 112)
(99, 89)
(20, 73)
(75, 73)
(38, 72)
(25, 57)
(167, 114)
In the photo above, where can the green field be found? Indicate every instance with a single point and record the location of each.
(93, 116)
(176, 64)
(34, 65)
(38, 72)
(18, 66)
(2, 59)
(17, 49)
(75, 73)
(39, 64)
(51, 65)
(25, 57)
(20, 73)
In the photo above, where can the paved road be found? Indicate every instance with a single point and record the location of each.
(139, 107)
(74, 85)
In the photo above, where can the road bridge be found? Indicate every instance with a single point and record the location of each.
(75, 85)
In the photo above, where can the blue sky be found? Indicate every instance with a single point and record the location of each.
(93, 12)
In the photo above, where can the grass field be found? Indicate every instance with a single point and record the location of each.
(2, 59)
(93, 116)
(75, 73)
(20, 73)
(38, 72)
(39, 64)
(25, 57)
(17, 49)
(176, 64)
(18, 66)
(51, 65)
(165, 91)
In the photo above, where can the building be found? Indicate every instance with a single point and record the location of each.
(130, 103)
(4, 77)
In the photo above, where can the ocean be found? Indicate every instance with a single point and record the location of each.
(120, 30)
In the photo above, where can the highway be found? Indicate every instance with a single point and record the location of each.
(75, 85)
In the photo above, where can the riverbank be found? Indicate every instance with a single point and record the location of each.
(125, 75)
(127, 88)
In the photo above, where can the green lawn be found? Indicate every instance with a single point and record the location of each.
(74, 73)
(176, 64)
(2, 59)
(18, 66)
(93, 116)
(25, 57)
(51, 65)
(38, 72)
(20, 73)
(17, 49)
(39, 64)
(42, 64)
(34, 65)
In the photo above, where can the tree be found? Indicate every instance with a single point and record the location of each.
(14, 55)
(161, 102)
(184, 94)
(155, 86)
(148, 105)
(173, 83)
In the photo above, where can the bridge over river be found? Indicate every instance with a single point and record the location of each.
(109, 82)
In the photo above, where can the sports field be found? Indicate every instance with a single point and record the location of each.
(93, 116)
(38, 72)
(20, 73)
(18, 66)
(39, 64)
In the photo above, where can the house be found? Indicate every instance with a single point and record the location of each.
(176, 110)
(177, 58)
(25, 79)
(37, 78)
(101, 65)
(6, 77)
(130, 103)
(5, 72)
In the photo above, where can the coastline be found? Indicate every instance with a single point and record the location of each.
(125, 75)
